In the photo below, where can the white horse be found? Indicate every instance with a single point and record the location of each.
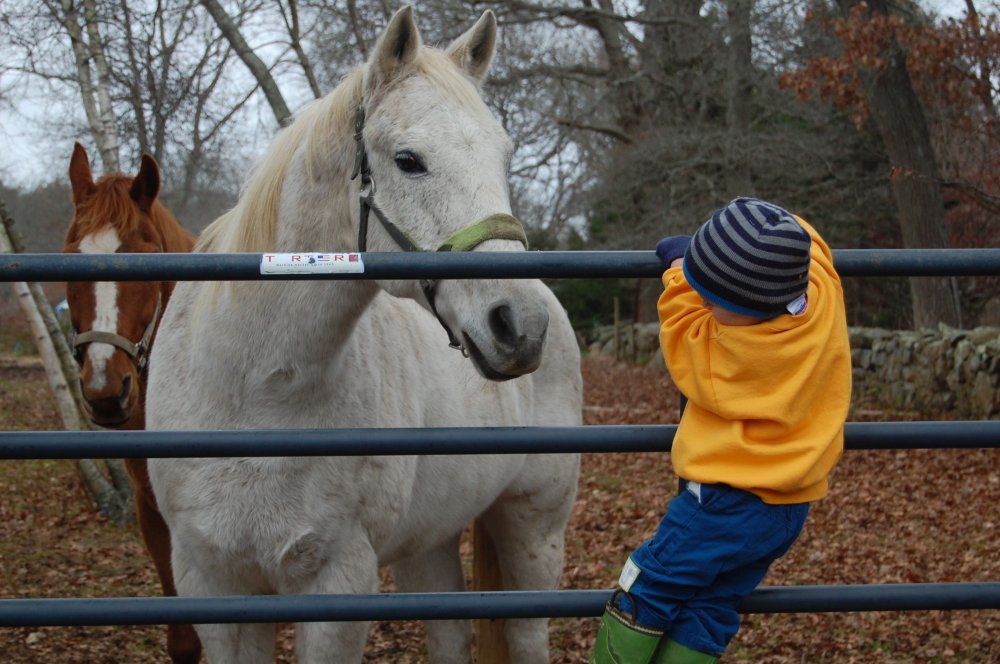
(369, 354)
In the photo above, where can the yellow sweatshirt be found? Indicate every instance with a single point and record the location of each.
(766, 402)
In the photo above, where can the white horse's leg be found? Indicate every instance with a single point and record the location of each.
(223, 643)
(527, 526)
(238, 644)
(354, 570)
(438, 570)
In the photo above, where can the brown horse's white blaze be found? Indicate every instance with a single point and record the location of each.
(115, 322)
(111, 402)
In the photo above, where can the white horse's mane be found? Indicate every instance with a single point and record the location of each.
(251, 225)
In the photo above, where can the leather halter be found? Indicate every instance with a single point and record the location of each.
(138, 351)
(494, 227)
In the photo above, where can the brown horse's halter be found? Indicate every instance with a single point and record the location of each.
(139, 351)
(494, 227)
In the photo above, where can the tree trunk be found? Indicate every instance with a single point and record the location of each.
(740, 97)
(359, 37)
(114, 498)
(68, 412)
(915, 181)
(109, 130)
(295, 38)
(256, 66)
(96, 96)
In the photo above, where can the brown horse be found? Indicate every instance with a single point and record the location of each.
(115, 326)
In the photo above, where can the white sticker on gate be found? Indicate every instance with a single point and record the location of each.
(311, 263)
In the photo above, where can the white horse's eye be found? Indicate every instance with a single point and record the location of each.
(410, 163)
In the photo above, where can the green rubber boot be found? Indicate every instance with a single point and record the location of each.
(621, 640)
(671, 652)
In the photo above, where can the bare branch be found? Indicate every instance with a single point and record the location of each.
(257, 68)
(606, 131)
(107, 144)
(291, 21)
(352, 10)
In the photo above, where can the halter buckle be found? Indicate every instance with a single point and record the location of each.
(141, 356)
(367, 187)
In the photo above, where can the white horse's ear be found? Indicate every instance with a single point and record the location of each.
(474, 50)
(395, 49)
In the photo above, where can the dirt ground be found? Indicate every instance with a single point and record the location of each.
(892, 517)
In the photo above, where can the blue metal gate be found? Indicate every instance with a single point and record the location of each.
(403, 606)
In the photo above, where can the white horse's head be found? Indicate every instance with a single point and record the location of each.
(439, 162)
(408, 137)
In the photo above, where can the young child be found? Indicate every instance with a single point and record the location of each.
(754, 333)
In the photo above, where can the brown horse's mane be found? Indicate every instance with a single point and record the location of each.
(111, 204)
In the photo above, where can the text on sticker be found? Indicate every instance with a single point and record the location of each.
(311, 263)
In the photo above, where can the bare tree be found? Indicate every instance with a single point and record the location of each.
(901, 123)
(162, 70)
(112, 494)
(172, 72)
(93, 75)
(739, 96)
(257, 68)
(290, 16)
(631, 120)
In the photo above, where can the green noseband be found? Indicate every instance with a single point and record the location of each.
(494, 227)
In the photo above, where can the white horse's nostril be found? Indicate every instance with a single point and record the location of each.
(503, 326)
(514, 329)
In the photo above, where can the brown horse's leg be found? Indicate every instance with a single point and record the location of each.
(182, 641)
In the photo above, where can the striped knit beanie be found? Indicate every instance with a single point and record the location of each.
(752, 258)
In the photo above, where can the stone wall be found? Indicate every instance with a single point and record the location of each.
(942, 370)
(951, 370)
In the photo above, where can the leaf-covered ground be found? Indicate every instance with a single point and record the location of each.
(892, 517)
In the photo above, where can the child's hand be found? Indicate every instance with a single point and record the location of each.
(672, 248)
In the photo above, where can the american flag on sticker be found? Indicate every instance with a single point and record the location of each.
(334, 258)
(311, 263)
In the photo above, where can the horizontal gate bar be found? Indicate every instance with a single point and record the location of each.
(470, 605)
(461, 265)
(446, 440)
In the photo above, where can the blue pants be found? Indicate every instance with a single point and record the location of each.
(712, 548)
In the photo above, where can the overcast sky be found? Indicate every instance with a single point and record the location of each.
(33, 150)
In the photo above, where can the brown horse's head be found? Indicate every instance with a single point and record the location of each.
(115, 322)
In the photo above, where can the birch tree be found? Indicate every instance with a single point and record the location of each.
(93, 74)
(154, 77)
(110, 494)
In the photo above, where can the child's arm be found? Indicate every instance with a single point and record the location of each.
(682, 318)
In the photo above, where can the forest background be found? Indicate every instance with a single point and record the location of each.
(877, 121)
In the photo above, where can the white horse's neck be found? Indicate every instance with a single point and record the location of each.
(316, 207)
(300, 321)
(315, 216)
